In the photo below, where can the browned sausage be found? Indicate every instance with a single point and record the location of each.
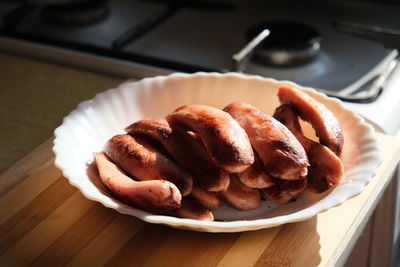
(280, 151)
(256, 176)
(284, 190)
(192, 210)
(322, 119)
(225, 141)
(152, 195)
(187, 149)
(138, 158)
(326, 169)
(240, 196)
(207, 199)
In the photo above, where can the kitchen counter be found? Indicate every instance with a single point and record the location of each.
(34, 97)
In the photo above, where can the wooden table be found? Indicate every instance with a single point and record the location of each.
(47, 222)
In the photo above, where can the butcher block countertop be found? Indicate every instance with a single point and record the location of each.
(47, 222)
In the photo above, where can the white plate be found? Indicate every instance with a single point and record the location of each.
(93, 122)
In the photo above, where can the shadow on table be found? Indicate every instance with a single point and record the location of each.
(295, 244)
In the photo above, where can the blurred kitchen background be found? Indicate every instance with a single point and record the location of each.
(56, 53)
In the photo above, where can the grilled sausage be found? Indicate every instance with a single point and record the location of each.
(256, 176)
(280, 151)
(207, 199)
(192, 210)
(137, 157)
(225, 141)
(284, 191)
(322, 120)
(187, 149)
(326, 169)
(240, 196)
(153, 195)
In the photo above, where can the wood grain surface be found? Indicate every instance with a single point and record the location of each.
(47, 222)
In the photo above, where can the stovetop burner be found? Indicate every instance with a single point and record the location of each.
(76, 14)
(289, 43)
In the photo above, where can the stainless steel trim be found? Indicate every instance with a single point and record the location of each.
(86, 61)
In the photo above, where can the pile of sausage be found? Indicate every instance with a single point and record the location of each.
(187, 164)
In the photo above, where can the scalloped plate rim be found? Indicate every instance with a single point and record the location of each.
(219, 226)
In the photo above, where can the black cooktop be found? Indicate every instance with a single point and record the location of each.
(203, 35)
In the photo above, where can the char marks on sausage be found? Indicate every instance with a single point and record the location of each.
(137, 157)
(323, 121)
(185, 148)
(326, 169)
(280, 151)
(223, 138)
